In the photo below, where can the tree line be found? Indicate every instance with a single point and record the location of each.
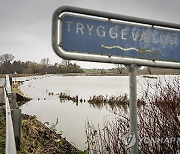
(9, 66)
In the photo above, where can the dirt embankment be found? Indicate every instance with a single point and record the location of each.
(38, 138)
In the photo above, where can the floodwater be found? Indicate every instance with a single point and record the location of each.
(71, 116)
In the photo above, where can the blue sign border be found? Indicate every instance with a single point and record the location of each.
(68, 41)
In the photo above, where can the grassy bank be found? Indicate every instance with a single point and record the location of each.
(16, 89)
(2, 130)
(38, 138)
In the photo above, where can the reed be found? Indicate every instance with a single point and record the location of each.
(158, 123)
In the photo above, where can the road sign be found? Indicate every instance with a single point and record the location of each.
(96, 36)
(86, 35)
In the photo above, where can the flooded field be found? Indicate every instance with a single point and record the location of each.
(71, 117)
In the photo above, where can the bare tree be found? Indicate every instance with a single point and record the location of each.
(6, 58)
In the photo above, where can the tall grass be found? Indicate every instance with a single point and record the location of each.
(158, 123)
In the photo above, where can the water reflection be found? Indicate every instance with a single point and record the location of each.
(112, 102)
(109, 102)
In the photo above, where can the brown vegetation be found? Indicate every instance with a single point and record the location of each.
(9, 66)
(158, 124)
(38, 138)
(15, 88)
(2, 130)
(114, 102)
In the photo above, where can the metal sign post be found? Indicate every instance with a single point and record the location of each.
(133, 105)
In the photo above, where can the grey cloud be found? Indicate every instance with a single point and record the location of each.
(25, 25)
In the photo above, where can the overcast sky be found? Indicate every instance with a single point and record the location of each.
(25, 25)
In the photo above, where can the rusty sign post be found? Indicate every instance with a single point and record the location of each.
(87, 35)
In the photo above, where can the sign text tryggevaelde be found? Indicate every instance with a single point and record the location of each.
(105, 37)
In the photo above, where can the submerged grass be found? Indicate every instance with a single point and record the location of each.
(114, 102)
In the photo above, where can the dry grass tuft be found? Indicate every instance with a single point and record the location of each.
(38, 138)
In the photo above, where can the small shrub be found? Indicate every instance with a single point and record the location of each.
(158, 123)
